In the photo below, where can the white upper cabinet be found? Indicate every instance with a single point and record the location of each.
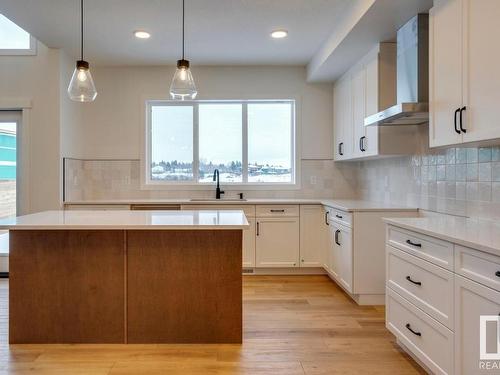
(481, 73)
(445, 72)
(342, 103)
(464, 74)
(367, 88)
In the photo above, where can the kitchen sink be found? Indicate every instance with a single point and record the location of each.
(217, 200)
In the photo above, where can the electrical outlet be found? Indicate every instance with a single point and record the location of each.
(313, 180)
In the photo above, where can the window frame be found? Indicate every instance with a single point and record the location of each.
(148, 184)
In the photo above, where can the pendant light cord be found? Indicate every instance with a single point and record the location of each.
(182, 29)
(81, 25)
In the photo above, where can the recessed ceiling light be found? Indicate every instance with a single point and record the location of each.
(278, 34)
(141, 34)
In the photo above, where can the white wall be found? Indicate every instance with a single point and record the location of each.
(37, 78)
(112, 124)
(70, 112)
(111, 128)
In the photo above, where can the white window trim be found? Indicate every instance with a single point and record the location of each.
(148, 184)
(21, 52)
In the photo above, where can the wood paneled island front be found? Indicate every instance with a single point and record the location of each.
(126, 277)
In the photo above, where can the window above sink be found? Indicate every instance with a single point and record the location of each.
(251, 142)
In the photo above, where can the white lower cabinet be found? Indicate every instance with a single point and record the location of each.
(471, 301)
(342, 257)
(313, 223)
(277, 242)
(455, 293)
(428, 340)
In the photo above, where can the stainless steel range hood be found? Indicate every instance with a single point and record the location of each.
(412, 68)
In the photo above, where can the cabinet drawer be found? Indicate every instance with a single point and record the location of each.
(277, 210)
(427, 286)
(478, 266)
(248, 209)
(429, 248)
(341, 217)
(428, 340)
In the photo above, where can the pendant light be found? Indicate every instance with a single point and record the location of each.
(81, 87)
(182, 86)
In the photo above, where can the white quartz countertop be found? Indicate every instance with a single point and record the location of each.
(150, 220)
(362, 205)
(479, 234)
(341, 204)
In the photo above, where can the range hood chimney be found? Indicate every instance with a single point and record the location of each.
(412, 73)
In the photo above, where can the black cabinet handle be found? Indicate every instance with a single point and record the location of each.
(413, 243)
(455, 119)
(414, 282)
(337, 232)
(338, 216)
(408, 326)
(341, 146)
(361, 144)
(258, 228)
(497, 274)
(461, 123)
(326, 218)
(277, 210)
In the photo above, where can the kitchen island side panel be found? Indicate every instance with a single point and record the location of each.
(184, 286)
(66, 286)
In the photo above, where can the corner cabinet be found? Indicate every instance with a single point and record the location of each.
(367, 88)
(354, 256)
(342, 256)
(463, 71)
(313, 223)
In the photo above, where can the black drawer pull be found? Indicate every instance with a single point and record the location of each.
(337, 232)
(414, 282)
(497, 273)
(326, 218)
(338, 216)
(408, 326)
(277, 210)
(413, 243)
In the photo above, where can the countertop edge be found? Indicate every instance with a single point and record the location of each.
(122, 227)
(444, 237)
(338, 204)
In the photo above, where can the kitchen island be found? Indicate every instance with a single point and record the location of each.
(126, 277)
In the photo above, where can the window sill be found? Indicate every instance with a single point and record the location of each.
(224, 186)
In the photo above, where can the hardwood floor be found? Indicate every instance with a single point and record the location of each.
(292, 325)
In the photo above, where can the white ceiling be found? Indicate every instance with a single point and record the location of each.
(222, 32)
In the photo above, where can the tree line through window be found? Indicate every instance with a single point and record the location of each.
(247, 141)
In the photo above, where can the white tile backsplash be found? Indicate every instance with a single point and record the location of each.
(88, 180)
(465, 182)
(459, 181)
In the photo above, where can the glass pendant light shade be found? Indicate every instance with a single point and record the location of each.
(81, 87)
(182, 86)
